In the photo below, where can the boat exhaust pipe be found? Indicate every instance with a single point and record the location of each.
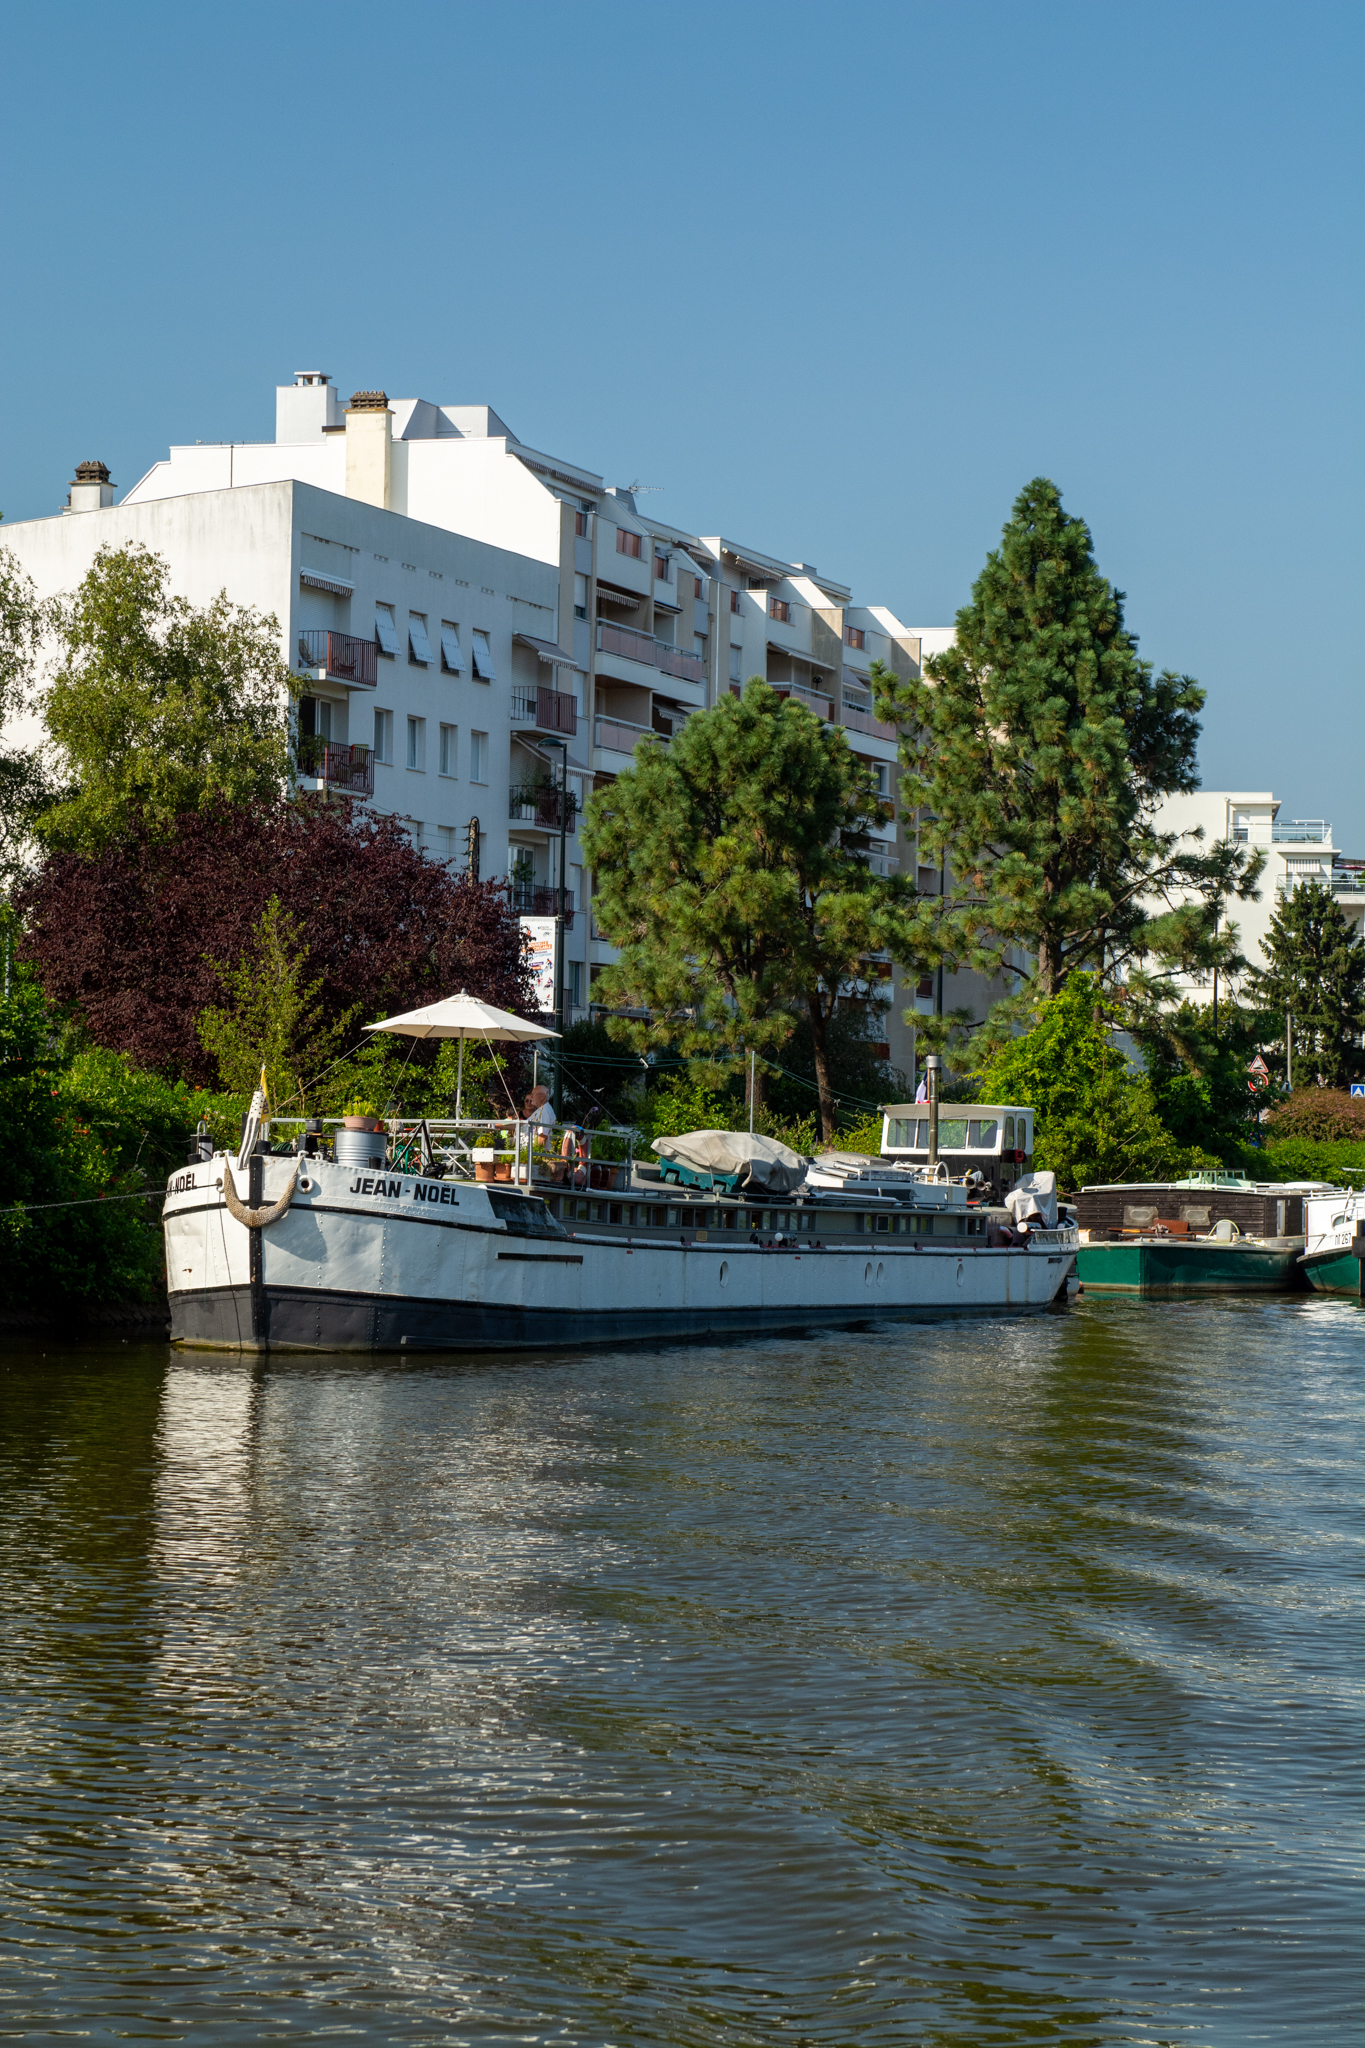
(933, 1067)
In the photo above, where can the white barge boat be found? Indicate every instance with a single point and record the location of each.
(416, 1249)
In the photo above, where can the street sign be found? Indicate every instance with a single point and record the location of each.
(1358, 1087)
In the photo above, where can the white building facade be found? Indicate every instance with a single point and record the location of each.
(474, 620)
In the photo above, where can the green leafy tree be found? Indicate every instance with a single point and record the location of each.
(273, 1020)
(1037, 748)
(159, 708)
(1199, 1073)
(1316, 971)
(722, 876)
(1095, 1120)
(25, 788)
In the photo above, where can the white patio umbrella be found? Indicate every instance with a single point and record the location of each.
(462, 1016)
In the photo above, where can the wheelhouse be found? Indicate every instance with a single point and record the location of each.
(993, 1139)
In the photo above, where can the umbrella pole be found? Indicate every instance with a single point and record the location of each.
(459, 1079)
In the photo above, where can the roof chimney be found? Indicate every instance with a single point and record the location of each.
(369, 449)
(307, 408)
(90, 490)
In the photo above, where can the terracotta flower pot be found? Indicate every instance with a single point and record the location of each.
(361, 1123)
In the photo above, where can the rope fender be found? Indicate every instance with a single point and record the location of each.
(256, 1219)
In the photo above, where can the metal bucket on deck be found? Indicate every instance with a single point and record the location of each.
(361, 1148)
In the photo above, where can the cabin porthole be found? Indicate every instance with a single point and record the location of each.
(724, 1272)
(867, 1273)
(959, 1272)
(881, 1273)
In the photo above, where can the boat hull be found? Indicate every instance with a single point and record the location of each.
(1334, 1272)
(381, 1265)
(1171, 1266)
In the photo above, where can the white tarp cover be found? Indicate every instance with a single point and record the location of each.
(1034, 1195)
(759, 1162)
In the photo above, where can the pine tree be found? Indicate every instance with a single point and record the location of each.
(1316, 972)
(723, 877)
(1037, 748)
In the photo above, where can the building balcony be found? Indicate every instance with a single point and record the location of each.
(857, 720)
(545, 711)
(1300, 832)
(337, 766)
(634, 645)
(339, 658)
(814, 700)
(541, 899)
(542, 804)
(621, 737)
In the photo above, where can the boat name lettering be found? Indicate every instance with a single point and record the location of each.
(181, 1184)
(435, 1191)
(432, 1191)
(376, 1187)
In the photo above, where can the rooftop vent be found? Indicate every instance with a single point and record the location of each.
(311, 377)
(369, 401)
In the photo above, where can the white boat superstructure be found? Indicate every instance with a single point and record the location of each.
(412, 1251)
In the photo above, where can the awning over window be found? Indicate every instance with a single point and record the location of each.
(417, 638)
(450, 649)
(545, 650)
(604, 590)
(317, 579)
(385, 631)
(482, 656)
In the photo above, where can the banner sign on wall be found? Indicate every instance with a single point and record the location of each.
(538, 947)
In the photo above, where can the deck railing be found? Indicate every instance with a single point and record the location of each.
(547, 710)
(347, 769)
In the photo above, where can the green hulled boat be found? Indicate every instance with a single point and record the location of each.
(1172, 1265)
(1215, 1233)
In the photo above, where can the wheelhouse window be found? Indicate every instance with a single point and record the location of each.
(983, 1133)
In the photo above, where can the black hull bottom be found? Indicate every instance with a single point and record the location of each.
(309, 1319)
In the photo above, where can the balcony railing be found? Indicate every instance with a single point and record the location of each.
(541, 899)
(1301, 832)
(547, 710)
(661, 654)
(623, 737)
(863, 721)
(814, 700)
(336, 766)
(540, 803)
(341, 656)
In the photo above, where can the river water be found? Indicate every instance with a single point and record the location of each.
(973, 1684)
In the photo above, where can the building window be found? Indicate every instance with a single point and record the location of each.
(478, 757)
(483, 657)
(573, 987)
(580, 524)
(383, 736)
(315, 718)
(580, 597)
(450, 750)
(696, 586)
(385, 631)
(417, 743)
(736, 602)
(627, 543)
(449, 844)
(736, 663)
(413, 828)
(452, 661)
(699, 646)
(661, 566)
(854, 636)
(419, 647)
(778, 608)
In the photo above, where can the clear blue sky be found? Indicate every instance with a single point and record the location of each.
(841, 278)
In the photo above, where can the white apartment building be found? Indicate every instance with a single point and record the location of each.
(474, 612)
(1297, 850)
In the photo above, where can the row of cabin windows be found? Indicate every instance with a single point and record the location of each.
(789, 1222)
(420, 652)
(959, 1134)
